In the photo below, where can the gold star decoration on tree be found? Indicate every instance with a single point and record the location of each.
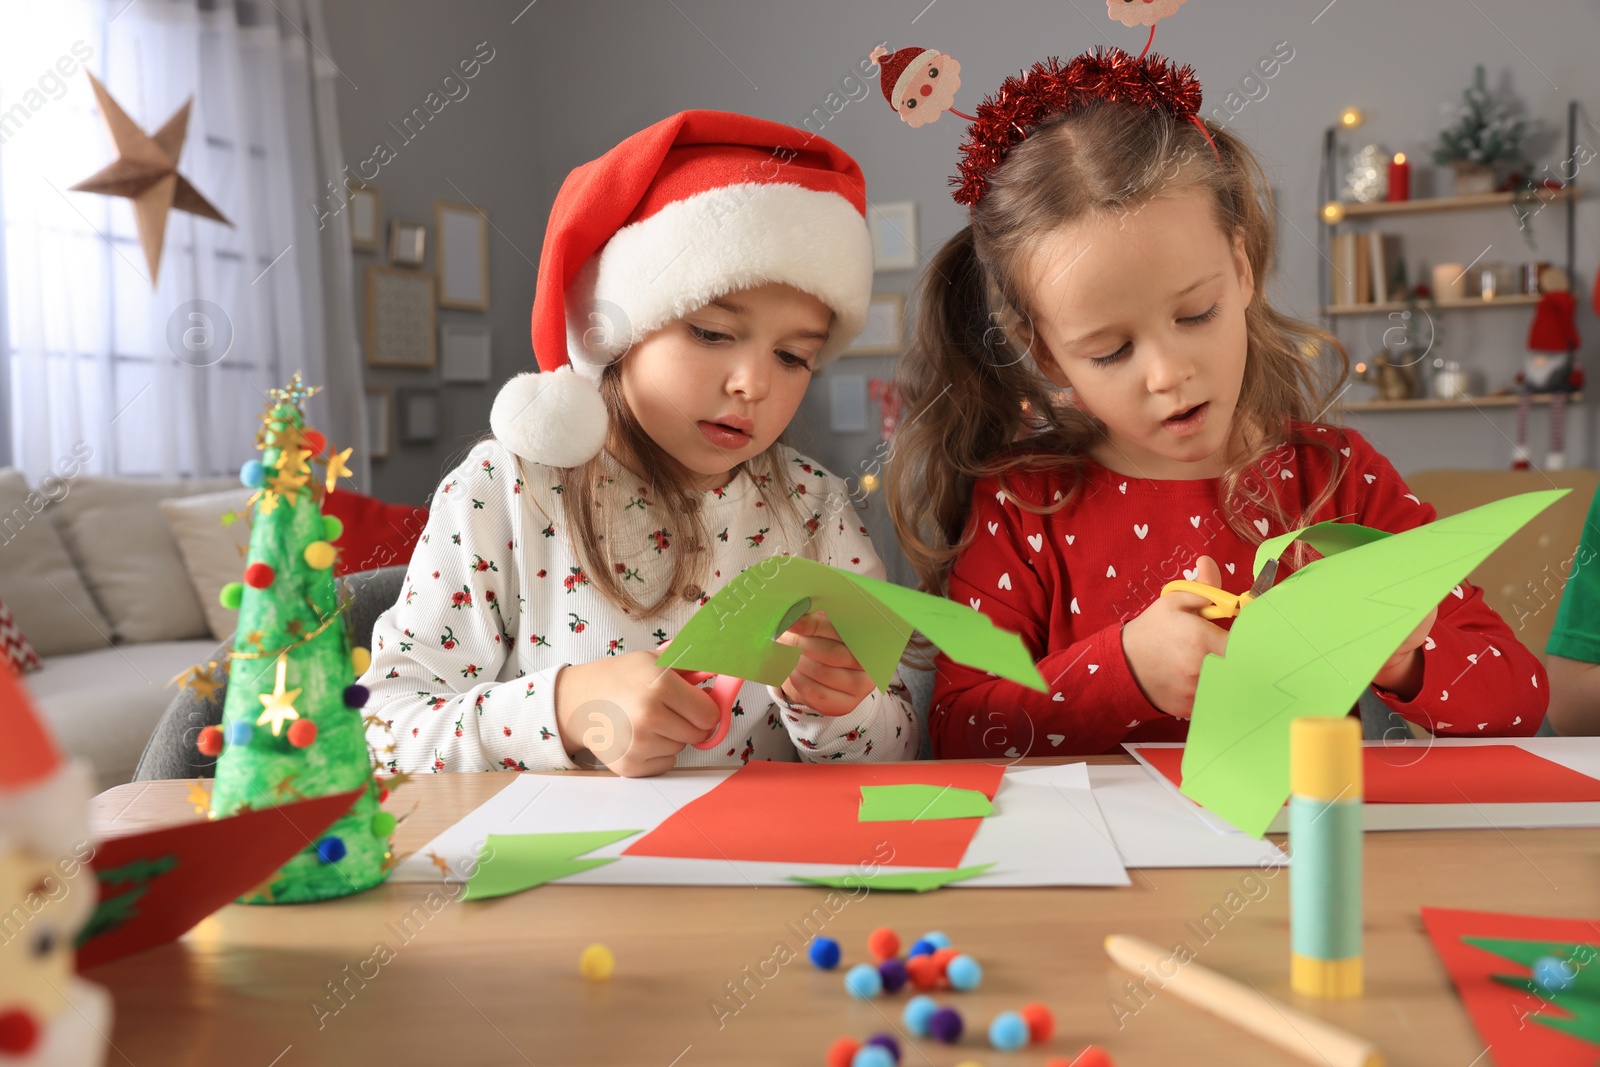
(337, 468)
(146, 172)
(197, 679)
(200, 797)
(279, 705)
(296, 392)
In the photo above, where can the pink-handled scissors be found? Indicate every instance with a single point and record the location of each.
(725, 688)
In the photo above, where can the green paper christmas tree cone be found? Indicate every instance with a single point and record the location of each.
(292, 725)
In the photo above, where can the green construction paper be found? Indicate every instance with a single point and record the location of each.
(733, 632)
(1312, 643)
(510, 863)
(1581, 1000)
(907, 803)
(899, 881)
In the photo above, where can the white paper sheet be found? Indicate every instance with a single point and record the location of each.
(1152, 826)
(1046, 830)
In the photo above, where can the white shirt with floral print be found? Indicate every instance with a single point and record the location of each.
(464, 664)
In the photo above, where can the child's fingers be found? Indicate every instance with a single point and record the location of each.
(647, 767)
(691, 706)
(813, 624)
(822, 649)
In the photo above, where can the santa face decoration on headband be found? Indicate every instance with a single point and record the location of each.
(919, 83)
(1142, 12)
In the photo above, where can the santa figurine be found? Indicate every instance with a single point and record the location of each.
(49, 1017)
(1551, 367)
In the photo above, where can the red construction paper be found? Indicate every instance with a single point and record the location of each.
(807, 813)
(217, 861)
(1497, 1010)
(1485, 774)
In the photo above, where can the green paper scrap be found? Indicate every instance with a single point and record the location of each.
(1581, 999)
(898, 882)
(510, 863)
(733, 632)
(1313, 642)
(908, 803)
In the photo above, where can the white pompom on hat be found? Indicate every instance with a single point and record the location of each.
(44, 799)
(697, 206)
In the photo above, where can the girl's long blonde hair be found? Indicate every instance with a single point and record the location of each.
(974, 401)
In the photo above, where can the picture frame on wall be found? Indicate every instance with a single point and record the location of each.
(366, 218)
(884, 333)
(400, 319)
(419, 416)
(464, 353)
(380, 421)
(408, 243)
(462, 232)
(894, 235)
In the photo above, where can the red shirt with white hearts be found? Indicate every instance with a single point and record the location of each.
(1067, 582)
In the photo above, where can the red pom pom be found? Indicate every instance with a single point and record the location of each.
(210, 741)
(883, 943)
(258, 576)
(942, 958)
(924, 973)
(19, 1033)
(302, 732)
(1091, 1056)
(315, 441)
(842, 1051)
(1041, 1024)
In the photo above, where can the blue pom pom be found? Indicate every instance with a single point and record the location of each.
(886, 1041)
(918, 1011)
(825, 953)
(872, 1056)
(863, 981)
(963, 972)
(1008, 1032)
(1551, 972)
(922, 947)
(330, 850)
(355, 696)
(252, 474)
(238, 733)
(936, 939)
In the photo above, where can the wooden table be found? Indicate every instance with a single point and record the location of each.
(404, 974)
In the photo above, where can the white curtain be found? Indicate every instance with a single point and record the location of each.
(170, 380)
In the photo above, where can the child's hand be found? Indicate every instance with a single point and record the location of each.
(1168, 642)
(633, 715)
(827, 679)
(1402, 672)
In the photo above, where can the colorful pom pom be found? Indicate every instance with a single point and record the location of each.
(942, 958)
(330, 850)
(1008, 1032)
(918, 1010)
(1091, 1056)
(872, 1056)
(862, 981)
(922, 947)
(893, 973)
(302, 733)
(239, 732)
(252, 475)
(842, 1051)
(886, 1041)
(596, 963)
(258, 575)
(315, 441)
(1554, 973)
(360, 659)
(383, 824)
(209, 742)
(332, 527)
(232, 596)
(964, 973)
(945, 1025)
(922, 972)
(883, 943)
(825, 953)
(356, 696)
(937, 939)
(1041, 1024)
(319, 555)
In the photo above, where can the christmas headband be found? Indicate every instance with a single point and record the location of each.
(920, 85)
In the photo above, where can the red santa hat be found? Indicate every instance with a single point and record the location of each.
(897, 69)
(690, 209)
(44, 800)
(1555, 325)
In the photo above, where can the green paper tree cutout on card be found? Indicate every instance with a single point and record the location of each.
(1581, 1000)
(1314, 641)
(510, 863)
(292, 726)
(908, 803)
(895, 881)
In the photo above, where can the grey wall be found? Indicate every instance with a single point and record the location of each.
(569, 78)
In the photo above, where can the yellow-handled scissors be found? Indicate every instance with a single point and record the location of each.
(1225, 605)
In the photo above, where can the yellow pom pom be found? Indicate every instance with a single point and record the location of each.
(596, 963)
(360, 659)
(320, 555)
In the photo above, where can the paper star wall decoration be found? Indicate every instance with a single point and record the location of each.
(146, 172)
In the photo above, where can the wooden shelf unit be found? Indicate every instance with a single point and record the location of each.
(1432, 204)
(1471, 303)
(1469, 402)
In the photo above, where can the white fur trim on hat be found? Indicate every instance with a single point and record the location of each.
(556, 418)
(902, 84)
(713, 243)
(52, 816)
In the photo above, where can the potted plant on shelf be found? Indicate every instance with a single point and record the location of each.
(1485, 134)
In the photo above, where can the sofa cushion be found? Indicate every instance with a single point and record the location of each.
(213, 553)
(114, 529)
(14, 647)
(38, 579)
(375, 534)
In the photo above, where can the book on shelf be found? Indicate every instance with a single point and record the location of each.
(1386, 269)
(1366, 269)
(1343, 256)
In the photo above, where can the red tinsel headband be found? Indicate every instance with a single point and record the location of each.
(1006, 118)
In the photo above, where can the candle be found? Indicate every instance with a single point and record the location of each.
(1399, 178)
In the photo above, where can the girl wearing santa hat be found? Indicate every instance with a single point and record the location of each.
(693, 280)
